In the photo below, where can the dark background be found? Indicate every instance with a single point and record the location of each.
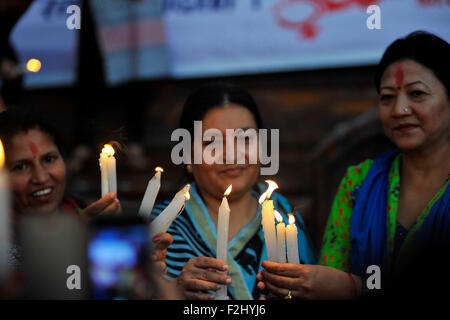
(327, 119)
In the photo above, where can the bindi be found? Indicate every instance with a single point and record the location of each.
(399, 77)
(33, 148)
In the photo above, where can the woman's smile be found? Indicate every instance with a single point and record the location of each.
(42, 195)
(405, 128)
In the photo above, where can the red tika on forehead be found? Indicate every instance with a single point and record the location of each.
(33, 148)
(399, 76)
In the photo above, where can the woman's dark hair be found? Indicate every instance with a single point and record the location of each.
(422, 47)
(213, 95)
(17, 120)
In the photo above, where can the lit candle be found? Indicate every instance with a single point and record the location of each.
(4, 217)
(223, 224)
(292, 242)
(108, 170)
(268, 221)
(281, 238)
(163, 221)
(150, 194)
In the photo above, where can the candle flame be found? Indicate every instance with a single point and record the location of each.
(33, 65)
(268, 193)
(159, 169)
(108, 150)
(2, 155)
(187, 195)
(291, 219)
(227, 192)
(278, 216)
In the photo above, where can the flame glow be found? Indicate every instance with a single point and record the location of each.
(108, 150)
(278, 216)
(2, 155)
(227, 192)
(268, 193)
(33, 65)
(291, 219)
(187, 195)
(159, 169)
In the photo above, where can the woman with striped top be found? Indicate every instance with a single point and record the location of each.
(191, 258)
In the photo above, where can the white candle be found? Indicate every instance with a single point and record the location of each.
(292, 242)
(150, 194)
(104, 173)
(5, 211)
(163, 221)
(268, 221)
(112, 176)
(281, 238)
(223, 224)
(107, 163)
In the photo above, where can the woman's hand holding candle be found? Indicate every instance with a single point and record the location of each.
(108, 205)
(162, 241)
(200, 274)
(306, 281)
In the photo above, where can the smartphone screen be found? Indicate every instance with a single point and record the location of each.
(118, 255)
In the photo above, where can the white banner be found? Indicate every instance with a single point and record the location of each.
(249, 36)
(224, 37)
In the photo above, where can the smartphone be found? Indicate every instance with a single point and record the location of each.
(119, 259)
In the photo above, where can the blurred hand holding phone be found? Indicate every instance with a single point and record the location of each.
(110, 258)
(119, 258)
(64, 258)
